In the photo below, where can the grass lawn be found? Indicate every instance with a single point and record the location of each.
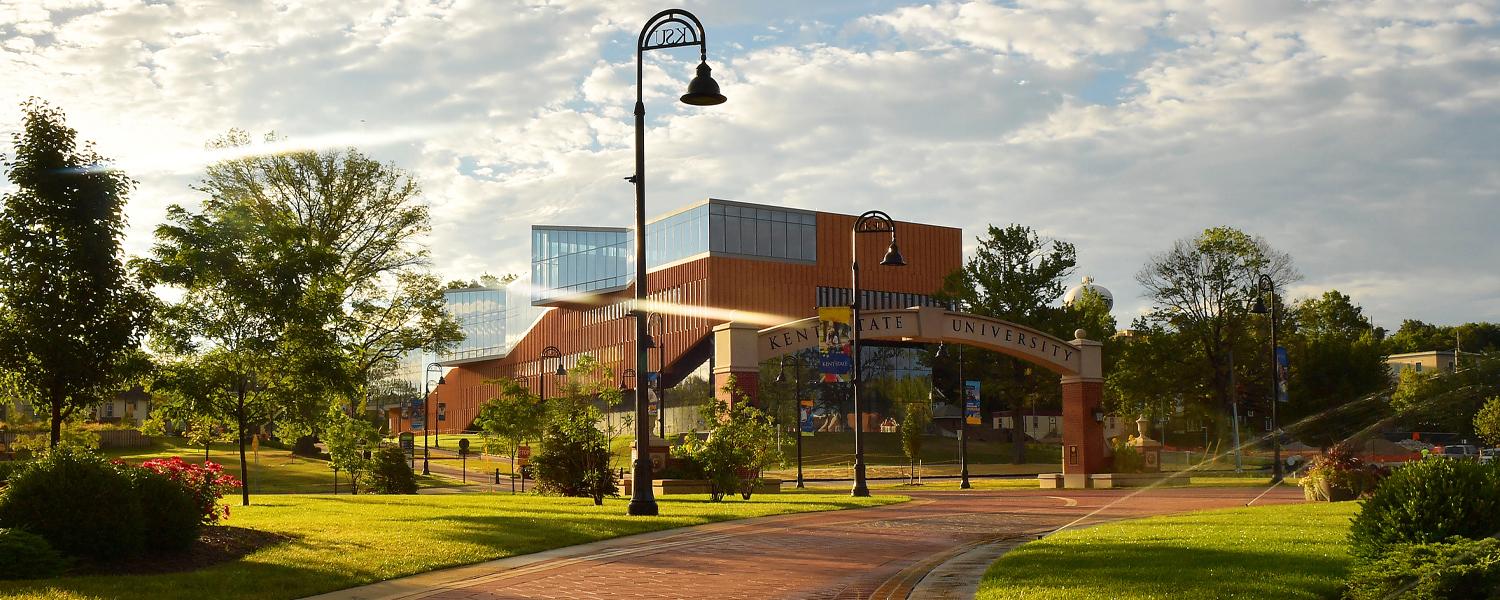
(345, 541)
(1286, 551)
(272, 471)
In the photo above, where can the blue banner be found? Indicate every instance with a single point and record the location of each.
(1283, 367)
(805, 416)
(971, 403)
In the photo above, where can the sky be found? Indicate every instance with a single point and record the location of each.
(1361, 137)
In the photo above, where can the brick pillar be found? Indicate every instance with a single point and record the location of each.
(737, 354)
(1083, 437)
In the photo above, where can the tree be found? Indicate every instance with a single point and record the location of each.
(348, 438)
(71, 314)
(741, 445)
(1435, 401)
(1202, 287)
(1150, 370)
(574, 456)
(1014, 275)
(916, 415)
(1487, 422)
(1336, 369)
(512, 417)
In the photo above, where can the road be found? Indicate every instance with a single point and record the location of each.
(883, 552)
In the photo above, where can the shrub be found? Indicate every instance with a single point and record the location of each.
(1127, 458)
(1428, 501)
(81, 504)
(737, 451)
(391, 473)
(169, 512)
(28, 556)
(205, 484)
(7, 467)
(1458, 568)
(574, 455)
(1340, 475)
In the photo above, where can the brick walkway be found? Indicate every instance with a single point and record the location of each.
(867, 553)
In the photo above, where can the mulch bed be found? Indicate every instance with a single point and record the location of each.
(217, 544)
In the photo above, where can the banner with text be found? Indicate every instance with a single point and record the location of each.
(971, 403)
(834, 335)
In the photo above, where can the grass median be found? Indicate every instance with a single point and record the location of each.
(338, 542)
(1282, 551)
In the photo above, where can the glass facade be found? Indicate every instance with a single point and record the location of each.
(576, 260)
(481, 316)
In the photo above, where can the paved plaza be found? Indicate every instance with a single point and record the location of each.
(935, 546)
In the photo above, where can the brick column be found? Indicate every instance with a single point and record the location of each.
(1083, 437)
(737, 354)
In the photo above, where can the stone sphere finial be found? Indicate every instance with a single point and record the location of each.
(1079, 334)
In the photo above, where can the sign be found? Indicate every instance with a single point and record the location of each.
(834, 336)
(805, 416)
(653, 393)
(442, 411)
(971, 403)
(408, 442)
(523, 455)
(1283, 366)
(463, 446)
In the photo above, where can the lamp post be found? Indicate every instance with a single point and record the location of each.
(427, 410)
(626, 374)
(873, 221)
(671, 28)
(796, 397)
(550, 352)
(963, 419)
(655, 322)
(1266, 287)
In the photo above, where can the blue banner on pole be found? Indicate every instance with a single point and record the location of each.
(805, 416)
(971, 403)
(1283, 367)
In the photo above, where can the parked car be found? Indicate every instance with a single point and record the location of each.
(1461, 451)
(1488, 455)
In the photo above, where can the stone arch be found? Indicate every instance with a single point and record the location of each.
(740, 348)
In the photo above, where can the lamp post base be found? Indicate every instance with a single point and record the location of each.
(642, 508)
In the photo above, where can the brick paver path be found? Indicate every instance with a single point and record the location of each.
(867, 553)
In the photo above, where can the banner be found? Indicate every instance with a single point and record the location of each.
(805, 417)
(971, 403)
(834, 336)
(1283, 366)
(653, 404)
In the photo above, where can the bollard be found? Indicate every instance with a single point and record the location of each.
(497, 476)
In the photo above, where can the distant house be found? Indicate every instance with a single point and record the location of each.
(1431, 361)
(130, 407)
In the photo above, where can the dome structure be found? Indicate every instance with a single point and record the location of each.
(1088, 284)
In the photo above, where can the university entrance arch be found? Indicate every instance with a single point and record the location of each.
(740, 348)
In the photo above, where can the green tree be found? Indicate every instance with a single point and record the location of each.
(574, 456)
(736, 452)
(1151, 369)
(1015, 275)
(1437, 401)
(916, 415)
(1487, 422)
(512, 417)
(1201, 288)
(1336, 368)
(71, 314)
(348, 438)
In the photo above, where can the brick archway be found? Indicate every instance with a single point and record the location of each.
(740, 348)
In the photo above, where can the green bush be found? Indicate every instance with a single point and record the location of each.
(1458, 568)
(169, 512)
(738, 449)
(81, 504)
(1339, 475)
(1127, 458)
(391, 473)
(574, 455)
(1428, 501)
(7, 467)
(26, 555)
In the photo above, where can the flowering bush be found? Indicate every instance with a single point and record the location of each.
(1340, 475)
(207, 483)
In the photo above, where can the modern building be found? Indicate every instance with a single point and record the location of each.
(710, 262)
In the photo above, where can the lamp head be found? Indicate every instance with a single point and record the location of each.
(893, 256)
(780, 376)
(650, 341)
(1259, 307)
(703, 90)
(561, 372)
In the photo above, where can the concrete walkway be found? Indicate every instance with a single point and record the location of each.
(936, 546)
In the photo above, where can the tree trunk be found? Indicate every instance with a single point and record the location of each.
(239, 417)
(57, 419)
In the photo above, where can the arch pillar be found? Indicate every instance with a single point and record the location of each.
(737, 354)
(1083, 436)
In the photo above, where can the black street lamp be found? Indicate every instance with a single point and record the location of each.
(873, 221)
(655, 322)
(796, 397)
(626, 374)
(671, 28)
(550, 352)
(963, 418)
(427, 411)
(1266, 287)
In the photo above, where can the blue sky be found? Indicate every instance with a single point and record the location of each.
(1359, 136)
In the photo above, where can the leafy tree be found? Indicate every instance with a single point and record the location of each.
(1201, 288)
(348, 438)
(1015, 275)
(574, 456)
(512, 417)
(916, 415)
(226, 382)
(1487, 421)
(71, 314)
(1433, 401)
(1151, 368)
(741, 445)
(1336, 368)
